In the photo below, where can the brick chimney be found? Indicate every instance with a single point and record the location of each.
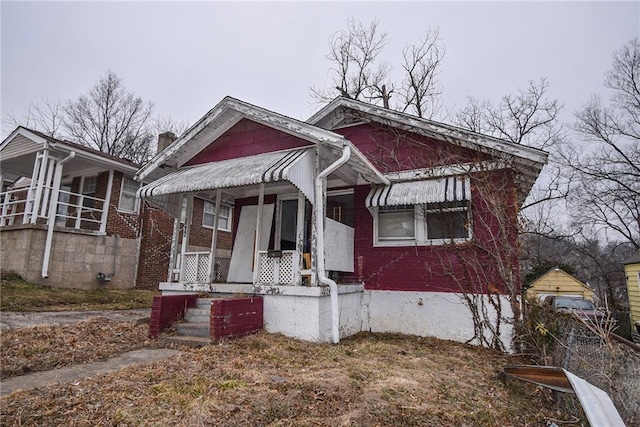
(165, 139)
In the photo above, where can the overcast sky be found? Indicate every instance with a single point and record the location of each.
(185, 57)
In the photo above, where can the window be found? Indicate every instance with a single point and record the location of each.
(128, 200)
(208, 215)
(396, 222)
(424, 224)
(89, 190)
(447, 220)
(340, 206)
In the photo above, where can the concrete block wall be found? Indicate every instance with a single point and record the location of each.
(166, 309)
(236, 317)
(76, 258)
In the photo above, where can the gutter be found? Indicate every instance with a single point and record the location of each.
(319, 208)
(53, 210)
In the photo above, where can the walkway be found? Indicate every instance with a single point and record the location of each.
(75, 372)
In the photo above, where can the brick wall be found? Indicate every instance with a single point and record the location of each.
(236, 317)
(166, 309)
(124, 224)
(155, 246)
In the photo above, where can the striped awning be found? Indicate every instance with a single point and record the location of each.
(295, 166)
(445, 189)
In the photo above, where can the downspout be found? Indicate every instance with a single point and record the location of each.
(319, 209)
(53, 210)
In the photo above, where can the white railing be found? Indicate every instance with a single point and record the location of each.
(85, 212)
(278, 267)
(195, 267)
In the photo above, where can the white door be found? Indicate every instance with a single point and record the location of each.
(242, 262)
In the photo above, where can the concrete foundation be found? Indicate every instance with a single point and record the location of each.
(76, 257)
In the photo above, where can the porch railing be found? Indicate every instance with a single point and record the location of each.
(78, 211)
(278, 267)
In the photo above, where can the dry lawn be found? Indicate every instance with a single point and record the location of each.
(18, 295)
(271, 380)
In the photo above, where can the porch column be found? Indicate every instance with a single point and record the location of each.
(53, 209)
(300, 237)
(185, 232)
(173, 254)
(214, 238)
(106, 202)
(47, 187)
(35, 188)
(256, 249)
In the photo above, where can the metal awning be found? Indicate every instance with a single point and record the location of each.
(445, 189)
(295, 166)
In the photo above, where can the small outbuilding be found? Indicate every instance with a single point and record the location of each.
(558, 282)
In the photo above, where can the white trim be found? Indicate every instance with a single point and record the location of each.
(105, 204)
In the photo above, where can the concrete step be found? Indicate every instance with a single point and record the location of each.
(191, 341)
(197, 315)
(197, 329)
(203, 303)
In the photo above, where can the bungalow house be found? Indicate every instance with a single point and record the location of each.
(69, 217)
(632, 273)
(558, 282)
(359, 219)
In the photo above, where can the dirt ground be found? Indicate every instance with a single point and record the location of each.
(270, 380)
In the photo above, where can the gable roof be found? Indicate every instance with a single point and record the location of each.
(526, 160)
(562, 273)
(230, 111)
(23, 141)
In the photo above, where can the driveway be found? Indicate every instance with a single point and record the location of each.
(11, 319)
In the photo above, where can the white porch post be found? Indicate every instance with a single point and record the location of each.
(106, 202)
(53, 209)
(44, 161)
(29, 206)
(256, 249)
(214, 238)
(80, 205)
(173, 254)
(185, 232)
(48, 185)
(300, 236)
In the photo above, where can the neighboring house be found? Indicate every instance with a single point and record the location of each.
(69, 217)
(632, 273)
(558, 282)
(360, 218)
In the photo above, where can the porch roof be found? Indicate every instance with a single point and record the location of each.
(295, 166)
(444, 189)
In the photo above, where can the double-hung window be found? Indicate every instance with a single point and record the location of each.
(89, 191)
(209, 213)
(128, 201)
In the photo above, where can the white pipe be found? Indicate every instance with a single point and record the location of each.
(319, 210)
(53, 210)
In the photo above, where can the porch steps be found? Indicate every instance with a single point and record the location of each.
(195, 329)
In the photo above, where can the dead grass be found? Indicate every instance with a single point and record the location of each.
(42, 348)
(18, 295)
(271, 380)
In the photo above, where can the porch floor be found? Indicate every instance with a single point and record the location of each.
(169, 288)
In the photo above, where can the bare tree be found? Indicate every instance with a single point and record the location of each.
(606, 163)
(111, 119)
(355, 69)
(420, 91)
(46, 117)
(529, 118)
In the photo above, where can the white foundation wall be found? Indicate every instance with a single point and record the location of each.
(436, 314)
(309, 317)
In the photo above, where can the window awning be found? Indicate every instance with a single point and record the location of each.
(445, 189)
(295, 166)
